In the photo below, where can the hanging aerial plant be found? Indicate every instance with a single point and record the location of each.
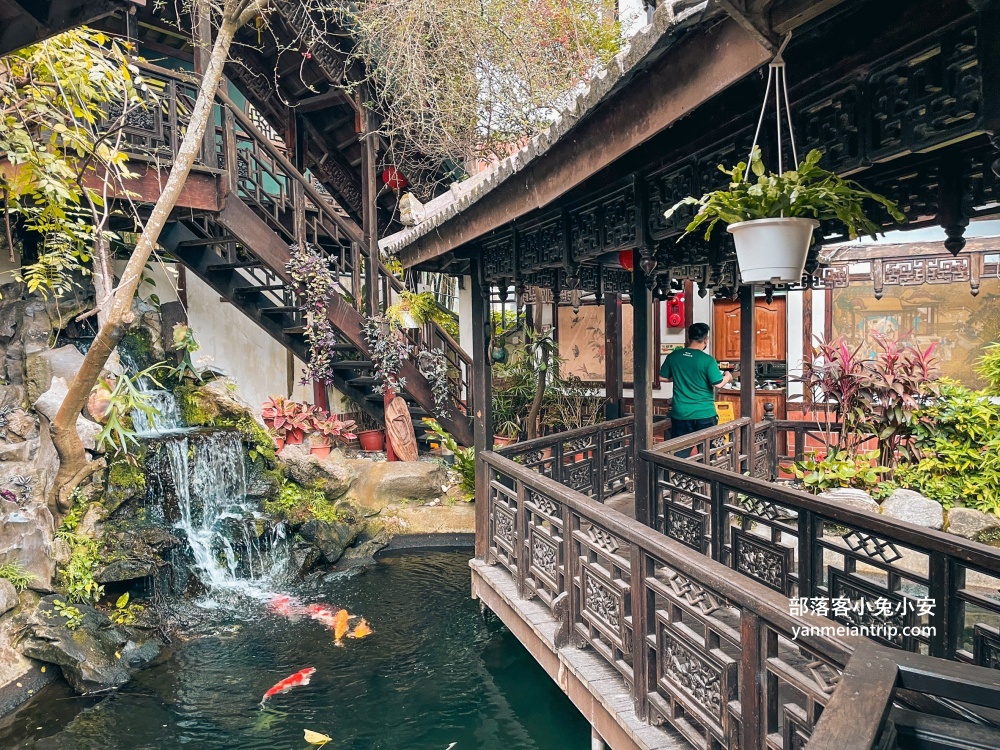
(436, 368)
(315, 283)
(388, 349)
(773, 219)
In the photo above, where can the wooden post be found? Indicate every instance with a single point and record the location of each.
(482, 397)
(642, 391)
(369, 217)
(613, 355)
(748, 364)
(201, 39)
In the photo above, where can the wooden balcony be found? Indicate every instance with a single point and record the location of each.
(693, 633)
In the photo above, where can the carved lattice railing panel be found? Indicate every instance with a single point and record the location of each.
(903, 586)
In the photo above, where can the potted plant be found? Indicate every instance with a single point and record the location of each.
(413, 309)
(327, 430)
(370, 434)
(290, 420)
(772, 220)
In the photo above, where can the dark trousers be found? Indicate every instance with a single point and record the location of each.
(679, 427)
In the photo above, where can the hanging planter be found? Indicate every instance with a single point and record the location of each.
(772, 220)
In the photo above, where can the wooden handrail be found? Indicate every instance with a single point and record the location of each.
(548, 440)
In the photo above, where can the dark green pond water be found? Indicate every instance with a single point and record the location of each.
(434, 673)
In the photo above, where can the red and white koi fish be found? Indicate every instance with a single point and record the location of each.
(299, 678)
(286, 606)
(323, 613)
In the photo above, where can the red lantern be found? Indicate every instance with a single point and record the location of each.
(394, 179)
(675, 312)
(626, 260)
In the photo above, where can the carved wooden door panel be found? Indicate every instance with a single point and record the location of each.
(769, 336)
(726, 333)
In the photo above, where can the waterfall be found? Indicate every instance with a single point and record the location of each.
(202, 476)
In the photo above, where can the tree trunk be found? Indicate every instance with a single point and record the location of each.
(72, 458)
(104, 279)
(536, 405)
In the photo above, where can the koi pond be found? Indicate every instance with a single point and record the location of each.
(433, 675)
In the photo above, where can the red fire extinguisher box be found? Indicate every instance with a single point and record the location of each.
(675, 312)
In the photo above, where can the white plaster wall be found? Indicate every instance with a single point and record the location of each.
(633, 16)
(230, 342)
(465, 314)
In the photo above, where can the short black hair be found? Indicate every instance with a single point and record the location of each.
(698, 332)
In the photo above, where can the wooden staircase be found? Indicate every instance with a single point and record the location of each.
(241, 251)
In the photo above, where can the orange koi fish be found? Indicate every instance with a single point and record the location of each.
(361, 630)
(299, 678)
(340, 626)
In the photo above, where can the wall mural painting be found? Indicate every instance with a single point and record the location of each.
(582, 343)
(946, 314)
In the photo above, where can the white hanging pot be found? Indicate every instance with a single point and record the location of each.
(772, 250)
(407, 319)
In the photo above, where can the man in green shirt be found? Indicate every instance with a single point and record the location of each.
(695, 375)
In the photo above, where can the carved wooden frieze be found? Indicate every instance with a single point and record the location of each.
(498, 257)
(341, 180)
(541, 246)
(664, 188)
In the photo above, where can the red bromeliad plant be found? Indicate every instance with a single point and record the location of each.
(871, 398)
(289, 419)
(331, 429)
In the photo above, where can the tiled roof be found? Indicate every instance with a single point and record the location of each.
(670, 19)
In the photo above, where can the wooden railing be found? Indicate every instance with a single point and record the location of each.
(290, 202)
(877, 704)
(711, 654)
(596, 460)
(911, 587)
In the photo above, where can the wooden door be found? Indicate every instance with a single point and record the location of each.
(726, 333)
(763, 397)
(769, 336)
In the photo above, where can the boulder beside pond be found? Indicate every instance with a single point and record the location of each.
(383, 483)
(850, 498)
(912, 507)
(95, 656)
(8, 596)
(974, 524)
(330, 538)
(330, 475)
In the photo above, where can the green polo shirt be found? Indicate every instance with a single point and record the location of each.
(695, 375)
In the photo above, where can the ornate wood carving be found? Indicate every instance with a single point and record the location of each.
(762, 560)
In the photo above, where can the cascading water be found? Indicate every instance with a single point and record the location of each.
(208, 486)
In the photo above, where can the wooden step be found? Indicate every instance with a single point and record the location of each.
(351, 364)
(218, 267)
(363, 381)
(243, 290)
(280, 310)
(207, 242)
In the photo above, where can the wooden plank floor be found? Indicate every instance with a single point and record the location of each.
(594, 687)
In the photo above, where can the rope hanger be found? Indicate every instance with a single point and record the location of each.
(777, 75)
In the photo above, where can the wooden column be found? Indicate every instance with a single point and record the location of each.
(201, 39)
(747, 362)
(482, 398)
(613, 355)
(642, 310)
(369, 217)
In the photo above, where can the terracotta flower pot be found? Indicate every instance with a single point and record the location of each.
(372, 440)
(320, 451)
(279, 443)
(294, 437)
(501, 441)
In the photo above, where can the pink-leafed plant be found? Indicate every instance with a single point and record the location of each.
(330, 429)
(289, 419)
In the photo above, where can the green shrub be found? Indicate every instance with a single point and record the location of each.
(78, 575)
(465, 458)
(958, 442)
(820, 472)
(297, 504)
(16, 574)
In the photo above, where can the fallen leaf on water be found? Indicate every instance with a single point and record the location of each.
(315, 738)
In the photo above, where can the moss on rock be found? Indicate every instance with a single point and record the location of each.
(126, 480)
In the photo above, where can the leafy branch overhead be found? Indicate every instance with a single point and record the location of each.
(453, 80)
(808, 192)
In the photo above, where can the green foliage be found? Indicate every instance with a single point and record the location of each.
(17, 575)
(836, 468)
(297, 504)
(184, 342)
(125, 398)
(809, 191)
(465, 458)
(988, 368)
(424, 308)
(72, 615)
(78, 575)
(125, 613)
(570, 404)
(77, 510)
(958, 443)
(125, 472)
(53, 96)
